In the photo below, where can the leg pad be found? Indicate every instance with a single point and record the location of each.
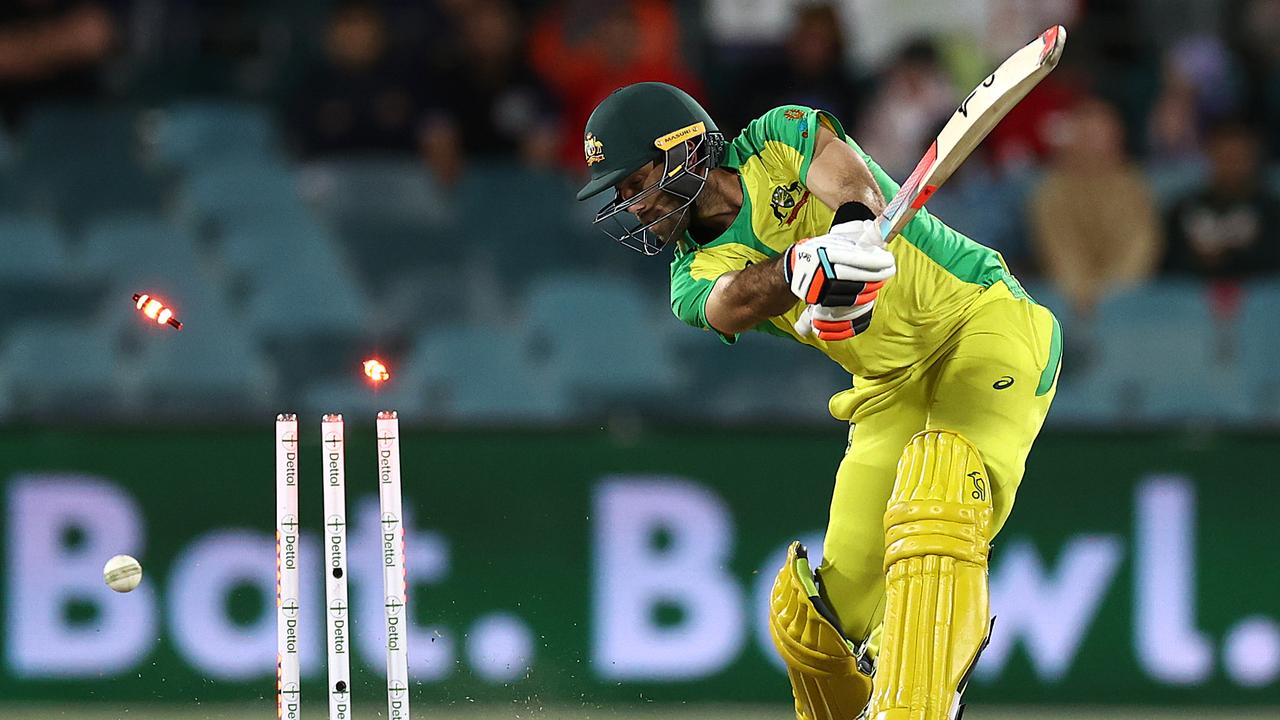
(821, 663)
(937, 616)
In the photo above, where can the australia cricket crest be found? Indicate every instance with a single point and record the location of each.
(593, 149)
(787, 201)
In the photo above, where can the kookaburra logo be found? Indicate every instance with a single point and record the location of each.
(785, 204)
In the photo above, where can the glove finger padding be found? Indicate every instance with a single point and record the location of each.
(838, 324)
(847, 294)
(834, 323)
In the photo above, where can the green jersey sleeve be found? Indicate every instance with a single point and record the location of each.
(784, 137)
(689, 292)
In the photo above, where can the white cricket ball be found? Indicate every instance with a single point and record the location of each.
(122, 573)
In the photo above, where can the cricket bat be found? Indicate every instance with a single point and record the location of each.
(984, 107)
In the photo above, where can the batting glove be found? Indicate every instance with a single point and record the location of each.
(838, 268)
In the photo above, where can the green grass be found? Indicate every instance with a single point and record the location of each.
(110, 711)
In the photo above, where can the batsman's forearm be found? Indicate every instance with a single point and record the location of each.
(760, 291)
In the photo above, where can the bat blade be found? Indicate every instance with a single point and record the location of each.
(981, 111)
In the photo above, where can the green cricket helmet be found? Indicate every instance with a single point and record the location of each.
(639, 124)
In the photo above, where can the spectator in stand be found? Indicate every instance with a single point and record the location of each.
(51, 49)
(1200, 85)
(1095, 226)
(1225, 230)
(918, 99)
(357, 99)
(1025, 139)
(489, 104)
(1258, 26)
(586, 49)
(813, 71)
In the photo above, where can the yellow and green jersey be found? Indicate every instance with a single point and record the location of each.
(942, 275)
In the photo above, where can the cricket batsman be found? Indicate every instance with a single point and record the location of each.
(953, 365)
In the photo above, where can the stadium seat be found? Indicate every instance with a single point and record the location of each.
(352, 396)
(61, 132)
(393, 226)
(83, 160)
(526, 222)
(398, 186)
(986, 208)
(481, 373)
(1273, 178)
(1259, 348)
(760, 378)
(63, 369)
(6, 149)
(37, 276)
(296, 303)
(139, 248)
(32, 248)
(1171, 181)
(260, 246)
(211, 363)
(599, 336)
(1157, 345)
(1091, 390)
(218, 190)
(14, 193)
(188, 133)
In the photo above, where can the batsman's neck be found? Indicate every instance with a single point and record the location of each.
(717, 205)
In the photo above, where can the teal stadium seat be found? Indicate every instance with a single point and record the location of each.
(260, 246)
(32, 249)
(1259, 350)
(297, 295)
(1273, 179)
(218, 190)
(525, 222)
(211, 364)
(84, 160)
(476, 373)
(760, 380)
(351, 395)
(6, 149)
(36, 273)
(367, 185)
(63, 369)
(297, 302)
(139, 248)
(187, 134)
(1155, 357)
(391, 217)
(11, 191)
(599, 336)
(314, 322)
(1171, 181)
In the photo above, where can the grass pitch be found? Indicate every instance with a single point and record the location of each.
(106, 711)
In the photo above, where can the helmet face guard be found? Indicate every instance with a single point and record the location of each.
(681, 178)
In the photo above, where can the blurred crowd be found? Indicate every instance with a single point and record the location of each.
(1152, 150)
